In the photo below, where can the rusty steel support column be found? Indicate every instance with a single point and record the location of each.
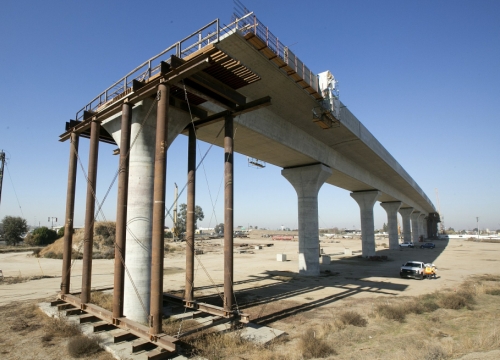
(121, 211)
(88, 237)
(70, 211)
(228, 214)
(160, 174)
(190, 218)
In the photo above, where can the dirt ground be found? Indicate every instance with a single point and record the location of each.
(271, 291)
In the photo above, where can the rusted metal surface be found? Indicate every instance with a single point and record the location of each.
(149, 89)
(121, 211)
(251, 106)
(70, 211)
(190, 218)
(93, 311)
(160, 173)
(228, 214)
(88, 239)
(218, 311)
(209, 309)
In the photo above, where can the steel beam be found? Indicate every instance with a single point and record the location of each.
(228, 214)
(162, 340)
(149, 89)
(190, 218)
(88, 237)
(121, 211)
(70, 211)
(156, 303)
(251, 106)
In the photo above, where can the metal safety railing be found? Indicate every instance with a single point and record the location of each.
(208, 34)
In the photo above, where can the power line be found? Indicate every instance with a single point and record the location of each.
(13, 187)
(2, 159)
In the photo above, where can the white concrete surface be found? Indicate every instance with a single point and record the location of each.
(406, 219)
(392, 222)
(307, 181)
(366, 200)
(140, 200)
(414, 226)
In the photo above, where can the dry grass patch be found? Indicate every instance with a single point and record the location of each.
(59, 327)
(82, 346)
(215, 346)
(102, 299)
(311, 345)
(492, 290)
(456, 301)
(352, 318)
(174, 327)
(9, 280)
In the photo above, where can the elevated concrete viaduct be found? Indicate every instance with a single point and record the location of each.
(234, 77)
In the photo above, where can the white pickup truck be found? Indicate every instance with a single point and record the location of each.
(414, 269)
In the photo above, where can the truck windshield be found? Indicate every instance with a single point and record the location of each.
(412, 264)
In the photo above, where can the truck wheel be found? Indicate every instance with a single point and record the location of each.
(421, 277)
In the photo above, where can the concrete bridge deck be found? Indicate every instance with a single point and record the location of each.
(284, 134)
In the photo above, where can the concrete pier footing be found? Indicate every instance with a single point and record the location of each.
(366, 200)
(414, 226)
(406, 217)
(307, 181)
(392, 222)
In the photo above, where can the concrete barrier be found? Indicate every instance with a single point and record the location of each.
(281, 257)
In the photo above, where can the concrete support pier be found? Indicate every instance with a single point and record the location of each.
(414, 226)
(392, 222)
(421, 219)
(139, 208)
(307, 181)
(426, 231)
(366, 200)
(406, 216)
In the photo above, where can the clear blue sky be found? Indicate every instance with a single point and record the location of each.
(422, 76)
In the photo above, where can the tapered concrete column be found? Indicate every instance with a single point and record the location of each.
(392, 222)
(136, 305)
(421, 225)
(121, 212)
(307, 181)
(406, 216)
(414, 226)
(139, 216)
(70, 211)
(366, 200)
(426, 232)
(88, 236)
(190, 217)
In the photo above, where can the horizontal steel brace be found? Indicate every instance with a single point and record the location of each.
(251, 106)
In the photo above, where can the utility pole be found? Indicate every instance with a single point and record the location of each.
(477, 226)
(51, 219)
(2, 163)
